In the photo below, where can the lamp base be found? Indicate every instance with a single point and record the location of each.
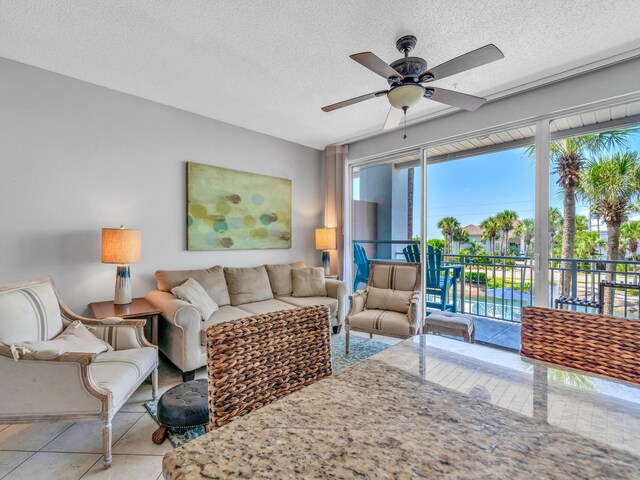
(326, 262)
(122, 295)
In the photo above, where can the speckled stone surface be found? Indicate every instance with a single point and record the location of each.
(431, 408)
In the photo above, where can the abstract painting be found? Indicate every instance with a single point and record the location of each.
(233, 210)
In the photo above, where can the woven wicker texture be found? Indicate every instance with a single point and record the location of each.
(254, 361)
(594, 343)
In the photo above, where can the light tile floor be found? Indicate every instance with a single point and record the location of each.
(71, 451)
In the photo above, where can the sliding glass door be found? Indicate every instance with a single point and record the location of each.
(385, 212)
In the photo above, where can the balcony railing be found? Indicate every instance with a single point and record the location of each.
(498, 287)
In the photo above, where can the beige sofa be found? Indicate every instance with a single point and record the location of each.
(239, 293)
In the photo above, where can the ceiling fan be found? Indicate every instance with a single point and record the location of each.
(408, 75)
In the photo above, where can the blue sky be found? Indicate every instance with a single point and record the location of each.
(472, 189)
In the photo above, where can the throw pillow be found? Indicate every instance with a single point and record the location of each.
(192, 292)
(211, 279)
(248, 285)
(76, 338)
(387, 299)
(308, 282)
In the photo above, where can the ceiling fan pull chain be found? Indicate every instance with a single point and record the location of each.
(404, 109)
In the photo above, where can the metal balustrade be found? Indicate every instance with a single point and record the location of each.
(497, 286)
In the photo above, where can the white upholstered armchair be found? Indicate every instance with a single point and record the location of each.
(390, 303)
(53, 384)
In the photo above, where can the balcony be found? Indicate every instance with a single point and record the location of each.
(494, 288)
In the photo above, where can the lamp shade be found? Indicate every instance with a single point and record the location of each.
(120, 245)
(326, 239)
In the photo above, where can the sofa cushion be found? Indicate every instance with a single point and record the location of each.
(76, 338)
(383, 321)
(212, 280)
(29, 314)
(223, 314)
(248, 285)
(280, 279)
(191, 291)
(332, 303)
(308, 282)
(266, 306)
(118, 371)
(387, 299)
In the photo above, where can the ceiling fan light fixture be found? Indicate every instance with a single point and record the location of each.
(405, 96)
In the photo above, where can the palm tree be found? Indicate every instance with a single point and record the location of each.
(569, 156)
(491, 230)
(506, 219)
(525, 230)
(475, 247)
(588, 244)
(555, 226)
(461, 236)
(631, 232)
(448, 226)
(611, 184)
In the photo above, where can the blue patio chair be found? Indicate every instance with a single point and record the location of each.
(362, 265)
(412, 253)
(440, 278)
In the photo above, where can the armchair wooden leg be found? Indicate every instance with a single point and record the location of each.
(346, 341)
(188, 376)
(106, 442)
(154, 384)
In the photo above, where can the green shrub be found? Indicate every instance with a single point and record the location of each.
(475, 277)
(497, 283)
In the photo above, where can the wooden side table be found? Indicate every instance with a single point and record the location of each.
(138, 308)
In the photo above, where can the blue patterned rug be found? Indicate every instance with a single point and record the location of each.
(361, 348)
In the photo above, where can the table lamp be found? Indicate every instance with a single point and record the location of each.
(325, 241)
(122, 247)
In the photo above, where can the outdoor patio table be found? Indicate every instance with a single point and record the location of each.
(431, 407)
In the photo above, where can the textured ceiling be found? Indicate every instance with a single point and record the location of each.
(269, 66)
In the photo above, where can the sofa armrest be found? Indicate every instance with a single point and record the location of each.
(178, 312)
(178, 330)
(338, 289)
(357, 301)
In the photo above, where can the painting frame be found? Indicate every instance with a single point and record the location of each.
(229, 209)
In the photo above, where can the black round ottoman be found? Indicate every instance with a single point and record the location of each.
(183, 406)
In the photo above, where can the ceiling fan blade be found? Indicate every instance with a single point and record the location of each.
(455, 99)
(375, 64)
(476, 58)
(393, 118)
(351, 101)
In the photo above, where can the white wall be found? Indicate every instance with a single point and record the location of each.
(75, 157)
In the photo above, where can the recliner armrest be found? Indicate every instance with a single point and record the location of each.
(82, 358)
(415, 319)
(358, 301)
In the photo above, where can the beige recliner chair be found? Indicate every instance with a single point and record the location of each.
(390, 303)
(67, 386)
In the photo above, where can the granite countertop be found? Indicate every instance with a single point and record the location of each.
(430, 407)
